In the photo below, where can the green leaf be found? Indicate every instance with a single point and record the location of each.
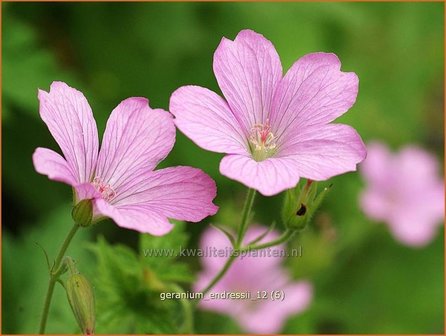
(176, 239)
(161, 254)
(128, 293)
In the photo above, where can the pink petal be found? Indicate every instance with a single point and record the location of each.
(248, 70)
(50, 163)
(136, 217)
(322, 151)
(378, 164)
(412, 227)
(182, 193)
(298, 297)
(416, 165)
(382, 168)
(86, 191)
(205, 118)
(212, 238)
(244, 272)
(314, 91)
(242, 276)
(435, 200)
(405, 191)
(271, 316)
(375, 204)
(136, 139)
(68, 116)
(216, 305)
(269, 177)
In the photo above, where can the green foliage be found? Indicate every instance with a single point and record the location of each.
(168, 267)
(26, 66)
(129, 285)
(25, 275)
(398, 290)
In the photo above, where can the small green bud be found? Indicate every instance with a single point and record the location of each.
(296, 219)
(82, 213)
(81, 299)
(300, 204)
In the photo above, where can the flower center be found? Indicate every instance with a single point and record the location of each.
(105, 190)
(262, 141)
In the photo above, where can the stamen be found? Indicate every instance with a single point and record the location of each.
(105, 190)
(262, 141)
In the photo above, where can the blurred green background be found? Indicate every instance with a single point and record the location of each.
(365, 282)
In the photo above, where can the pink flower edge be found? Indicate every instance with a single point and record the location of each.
(119, 177)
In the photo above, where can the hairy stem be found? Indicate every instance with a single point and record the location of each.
(54, 275)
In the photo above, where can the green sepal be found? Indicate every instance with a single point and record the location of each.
(300, 204)
(82, 213)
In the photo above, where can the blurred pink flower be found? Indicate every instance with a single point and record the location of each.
(275, 129)
(252, 273)
(120, 177)
(405, 191)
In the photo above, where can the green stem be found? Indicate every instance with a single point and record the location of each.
(220, 274)
(287, 235)
(245, 217)
(54, 275)
(46, 306)
(241, 233)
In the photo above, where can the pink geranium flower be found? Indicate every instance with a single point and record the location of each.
(405, 191)
(253, 273)
(119, 177)
(275, 129)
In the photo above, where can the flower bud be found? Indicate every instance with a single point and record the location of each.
(82, 213)
(81, 299)
(300, 204)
